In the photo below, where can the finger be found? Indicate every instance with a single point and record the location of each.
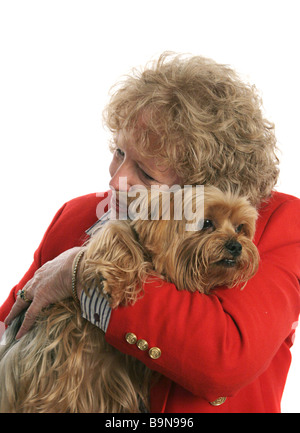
(29, 320)
(16, 309)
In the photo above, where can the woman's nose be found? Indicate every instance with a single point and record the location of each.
(123, 178)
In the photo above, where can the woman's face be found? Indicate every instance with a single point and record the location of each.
(137, 169)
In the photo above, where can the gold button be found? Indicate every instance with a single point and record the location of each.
(131, 338)
(219, 401)
(142, 344)
(154, 352)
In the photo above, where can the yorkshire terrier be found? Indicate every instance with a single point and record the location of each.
(64, 363)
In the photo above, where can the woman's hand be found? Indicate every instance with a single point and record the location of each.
(51, 283)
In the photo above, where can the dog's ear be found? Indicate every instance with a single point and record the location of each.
(114, 261)
(189, 269)
(159, 240)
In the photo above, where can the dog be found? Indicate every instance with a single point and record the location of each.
(64, 363)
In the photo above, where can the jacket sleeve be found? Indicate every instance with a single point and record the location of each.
(66, 230)
(215, 344)
(37, 262)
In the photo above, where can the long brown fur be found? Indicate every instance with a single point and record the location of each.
(64, 363)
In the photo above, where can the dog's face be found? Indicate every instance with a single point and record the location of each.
(219, 251)
(222, 251)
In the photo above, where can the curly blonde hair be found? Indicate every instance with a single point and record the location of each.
(207, 123)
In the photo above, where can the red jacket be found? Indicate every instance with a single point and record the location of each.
(231, 343)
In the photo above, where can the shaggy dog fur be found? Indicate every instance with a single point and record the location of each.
(64, 363)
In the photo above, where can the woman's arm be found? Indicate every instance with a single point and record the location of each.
(50, 283)
(214, 345)
(50, 274)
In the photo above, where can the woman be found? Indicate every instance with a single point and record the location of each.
(190, 121)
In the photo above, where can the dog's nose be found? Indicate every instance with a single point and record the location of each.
(234, 247)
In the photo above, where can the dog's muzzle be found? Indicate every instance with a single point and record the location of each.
(234, 248)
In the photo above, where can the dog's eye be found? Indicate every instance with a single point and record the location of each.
(207, 224)
(239, 228)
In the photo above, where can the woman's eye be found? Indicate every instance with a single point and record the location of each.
(239, 228)
(146, 175)
(207, 224)
(120, 152)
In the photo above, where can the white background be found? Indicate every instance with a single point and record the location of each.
(59, 58)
